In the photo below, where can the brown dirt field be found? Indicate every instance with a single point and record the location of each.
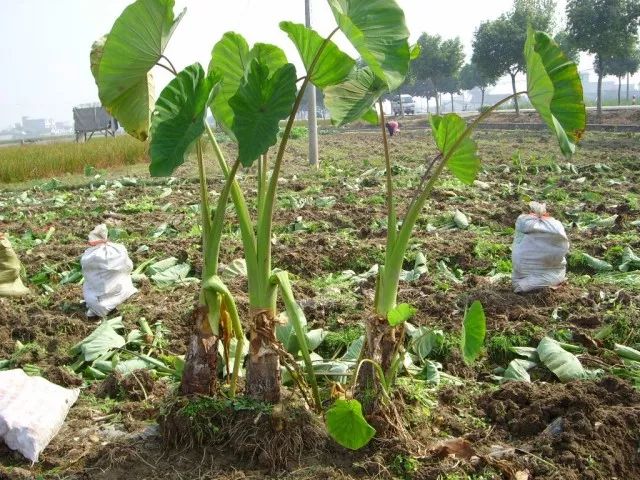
(101, 438)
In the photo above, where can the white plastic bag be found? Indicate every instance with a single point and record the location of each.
(32, 410)
(538, 252)
(107, 270)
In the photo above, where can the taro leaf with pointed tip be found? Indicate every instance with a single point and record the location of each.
(178, 119)
(463, 162)
(353, 99)
(555, 90)
(400, 314)
(122, 63)
(377, 30)
(563, 364)
(474, 329)
(347, 425)
(332, 66)
(262, 100)
(231, 59)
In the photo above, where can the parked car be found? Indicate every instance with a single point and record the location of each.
(408, 105)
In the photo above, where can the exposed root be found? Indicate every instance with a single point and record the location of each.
(273, 437)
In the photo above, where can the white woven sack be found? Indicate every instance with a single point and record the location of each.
(32, 410)
(538, 252)
(107, 271)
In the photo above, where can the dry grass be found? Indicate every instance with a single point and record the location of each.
(27, 162)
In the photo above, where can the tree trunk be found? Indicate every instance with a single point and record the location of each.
(452, 109)
(381, 345)
(513, 85)
(627, 88)
(200, 376)
(263, 369)
(401, 105)
(437, 105)
(482, 99)
(619, 89)
(599, 108)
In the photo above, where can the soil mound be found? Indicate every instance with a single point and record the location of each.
(589, 427)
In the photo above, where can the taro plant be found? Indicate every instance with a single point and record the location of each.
(553, 88)
(249, 91)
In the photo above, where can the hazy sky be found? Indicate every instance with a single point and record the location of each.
(45, 43)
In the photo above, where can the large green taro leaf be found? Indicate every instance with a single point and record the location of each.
(121, 65)
(231, 59)
(555, 90)
(463, 162)
(347, 425)
(377, 29)
(353, 98)
(474, 329)
(178, 119)
(262, 100)
(331, 67)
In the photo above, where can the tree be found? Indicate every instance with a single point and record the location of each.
(498, 44)
(438, 60)
(565, 42)
(625, 63)
(472, 77)
(451, 85)
(603, 28)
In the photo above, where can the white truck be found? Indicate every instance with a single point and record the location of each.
(403, 103)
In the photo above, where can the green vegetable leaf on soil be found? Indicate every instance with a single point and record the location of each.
(563, 364)
(474, 329)
(347, 425)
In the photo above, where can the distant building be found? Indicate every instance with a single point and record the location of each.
(37, 126)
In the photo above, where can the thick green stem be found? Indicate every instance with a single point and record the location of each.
(244, 219)
(262, 180)
(215, 235)
(391, 208)
(265, 216)
(296, 316)
(388, 292)
(216, 286)
(205, 210)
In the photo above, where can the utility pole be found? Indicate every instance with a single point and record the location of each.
(311, 109)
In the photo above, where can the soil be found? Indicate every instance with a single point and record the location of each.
(608, 117)
(109, 432)
(591, 430)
